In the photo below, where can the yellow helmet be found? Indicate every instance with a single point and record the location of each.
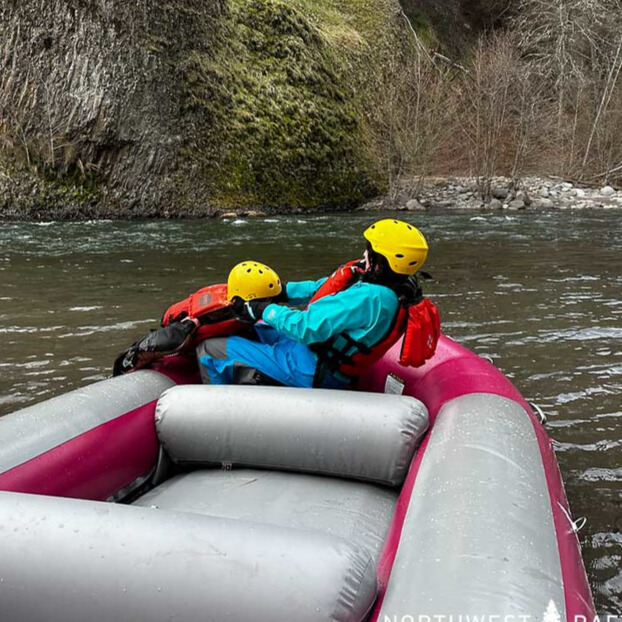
(401, 244)
(251, 279)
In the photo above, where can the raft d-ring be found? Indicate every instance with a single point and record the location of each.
(576, 525)
(538, 412)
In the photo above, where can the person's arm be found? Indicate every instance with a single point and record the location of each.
(348, 310)
(296, 293)
(300, 292)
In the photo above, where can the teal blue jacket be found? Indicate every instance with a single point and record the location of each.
(364, 311)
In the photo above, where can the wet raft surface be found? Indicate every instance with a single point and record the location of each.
(213, 543)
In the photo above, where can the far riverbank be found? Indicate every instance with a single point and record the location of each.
(434, 193)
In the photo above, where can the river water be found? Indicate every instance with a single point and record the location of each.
(539, 292)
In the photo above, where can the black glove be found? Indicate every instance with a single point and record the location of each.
(158, 343)
(251, 311)
(126, 361)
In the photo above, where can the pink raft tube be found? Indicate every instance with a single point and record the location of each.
(236, 504)
(484, 498)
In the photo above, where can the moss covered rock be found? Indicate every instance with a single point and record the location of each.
(187, 107)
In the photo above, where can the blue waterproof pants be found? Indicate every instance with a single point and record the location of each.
(228, 360)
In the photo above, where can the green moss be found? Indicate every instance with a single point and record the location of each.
(183, 8)
(73, 187)
(56, 182)
(282, 114)
(423, 27)
(155, 44)
(350, 23)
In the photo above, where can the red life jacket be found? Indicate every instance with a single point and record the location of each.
(418, 321)
(340, 279)
(212, 317)
(208, 305)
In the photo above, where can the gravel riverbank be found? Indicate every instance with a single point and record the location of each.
(532, 193)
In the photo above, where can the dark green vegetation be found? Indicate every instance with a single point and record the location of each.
(284, 119)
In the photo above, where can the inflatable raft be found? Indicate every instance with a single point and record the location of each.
(431, 492)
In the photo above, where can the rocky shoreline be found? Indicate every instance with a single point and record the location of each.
(461, 193)
(532, 193)
(438, 193)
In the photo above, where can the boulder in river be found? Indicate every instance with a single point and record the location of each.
(522, 195)
(544, 203)
(413, 205)
(516, 204)
(500, 193)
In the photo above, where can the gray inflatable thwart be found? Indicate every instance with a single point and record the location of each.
(64, 560)
(357, 435)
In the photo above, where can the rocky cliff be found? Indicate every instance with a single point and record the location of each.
(154, 108)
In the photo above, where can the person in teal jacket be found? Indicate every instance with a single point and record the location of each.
(290, 344)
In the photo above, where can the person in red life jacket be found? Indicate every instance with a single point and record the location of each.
(351, 319)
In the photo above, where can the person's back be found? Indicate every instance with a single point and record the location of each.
(351, 318)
